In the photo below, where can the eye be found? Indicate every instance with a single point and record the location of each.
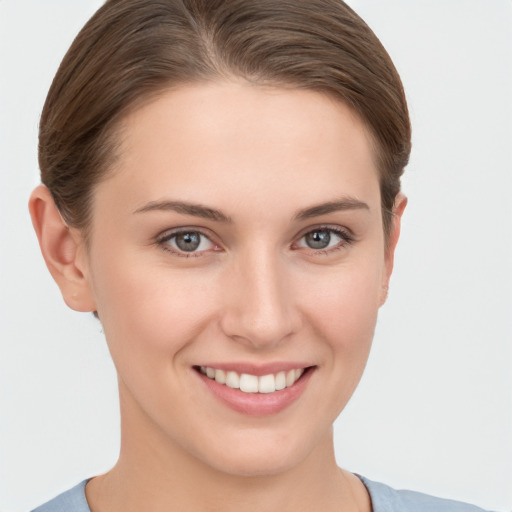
(186, 243)
(323, 239)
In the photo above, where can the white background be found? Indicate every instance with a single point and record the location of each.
(434, 409)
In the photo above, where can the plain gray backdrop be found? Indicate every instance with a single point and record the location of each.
(434, 409)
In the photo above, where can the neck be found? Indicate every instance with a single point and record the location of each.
(158, 475)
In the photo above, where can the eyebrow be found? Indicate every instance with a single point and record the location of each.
(346, 203)
(197, 210)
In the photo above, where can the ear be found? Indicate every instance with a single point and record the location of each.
(394, 235)
(63, 251)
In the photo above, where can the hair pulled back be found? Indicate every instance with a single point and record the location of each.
(131, 50)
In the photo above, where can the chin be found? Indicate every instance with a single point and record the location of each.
(260, 465)
(259, 457)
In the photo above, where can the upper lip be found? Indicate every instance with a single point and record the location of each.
(257, 369)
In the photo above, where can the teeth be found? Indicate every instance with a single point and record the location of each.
(267, 384)
(280, 381)
(251, 383)
(248, 383)
(232, 380)
(220, 376)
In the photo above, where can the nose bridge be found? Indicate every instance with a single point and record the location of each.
(260, 308)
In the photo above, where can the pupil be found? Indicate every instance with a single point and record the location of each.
(318, 239)
(188, 241)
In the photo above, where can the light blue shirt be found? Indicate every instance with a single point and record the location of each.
(384, 499)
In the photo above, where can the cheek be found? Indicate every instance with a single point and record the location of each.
(344, 314)
(149, 310)
(348, 297)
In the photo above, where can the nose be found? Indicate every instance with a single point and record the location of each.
(259, 306)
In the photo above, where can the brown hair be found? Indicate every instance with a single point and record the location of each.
(131, 50)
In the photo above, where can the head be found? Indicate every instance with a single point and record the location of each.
(190, 115)
(132, 50)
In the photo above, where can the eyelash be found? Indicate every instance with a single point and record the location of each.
(345, 236)
(162, 242)
(346, 239)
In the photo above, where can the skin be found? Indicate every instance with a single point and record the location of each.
(254, 292)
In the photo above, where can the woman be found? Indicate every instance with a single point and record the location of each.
(221, 188)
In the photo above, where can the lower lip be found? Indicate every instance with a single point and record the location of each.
(257, 404)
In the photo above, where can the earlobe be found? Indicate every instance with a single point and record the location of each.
(62, 250)
(394, 235)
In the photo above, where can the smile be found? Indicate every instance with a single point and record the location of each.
(253, 390)
(248, 383)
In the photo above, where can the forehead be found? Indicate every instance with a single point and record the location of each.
(210, 142)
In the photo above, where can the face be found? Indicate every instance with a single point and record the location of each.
(239, 239)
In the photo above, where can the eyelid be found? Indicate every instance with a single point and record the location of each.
(162, 239)
(346, 235)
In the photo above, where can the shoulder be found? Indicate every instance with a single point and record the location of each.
(72, 500)
(384, 499)
(387, 499)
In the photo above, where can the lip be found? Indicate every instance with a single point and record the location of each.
(257, 404)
